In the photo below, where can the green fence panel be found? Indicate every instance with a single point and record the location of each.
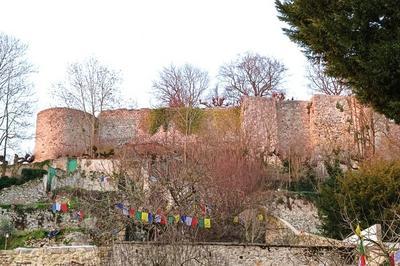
(72, 165)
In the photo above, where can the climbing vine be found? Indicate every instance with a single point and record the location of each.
(187, 120)
(159, 117)
(194, 120)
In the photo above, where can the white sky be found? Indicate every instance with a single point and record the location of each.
(141, 37)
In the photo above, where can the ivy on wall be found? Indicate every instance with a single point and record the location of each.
(187, 120)
(159, 117)
(194, 120)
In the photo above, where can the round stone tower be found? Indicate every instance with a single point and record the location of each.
(61, 132)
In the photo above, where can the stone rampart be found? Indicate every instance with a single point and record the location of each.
(309, 129)
(122, 126)
(259, 123)
(293, 121)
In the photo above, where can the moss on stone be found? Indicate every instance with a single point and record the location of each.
(187, 120)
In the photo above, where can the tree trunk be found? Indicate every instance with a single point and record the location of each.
(4, 165)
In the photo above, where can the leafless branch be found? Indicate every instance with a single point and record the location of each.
(321, 82)
(181, 86)
(252, 75)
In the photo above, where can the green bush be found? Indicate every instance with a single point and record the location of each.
(30, 174)
(19, 238)
(367, 196)
(26, 175)
(329, 209)
(6, 181)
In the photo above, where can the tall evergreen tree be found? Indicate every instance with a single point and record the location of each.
(357, 40)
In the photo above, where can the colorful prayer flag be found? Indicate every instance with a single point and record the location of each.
(183, 218)
(171, 219)
(132, 212)
(64, 207)
(397, 257)
(58, 206)
(150, 218)
(194, 222)
(207, 223)
(188, 220)
(358, 230)
(163, 219)
(236, 219)
(362, 261)
(125, 212)
(176, 218)
(201, 223)
(158, 219)
(203, 209)
(145, 217)
(81, 215)
(260, 217)
(138, 215)
(391, 260)
(119, 206)
(54, 207)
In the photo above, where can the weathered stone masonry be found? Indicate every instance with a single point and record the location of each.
(305, 128)
(192, 254)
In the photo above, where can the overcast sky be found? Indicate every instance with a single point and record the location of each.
(140, 37)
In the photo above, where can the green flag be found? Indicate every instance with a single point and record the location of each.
(138, 215)
(201, 222)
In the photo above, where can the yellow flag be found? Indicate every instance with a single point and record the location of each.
(207, 223)
(176, 218)
(358, 230)
(236, 220)
(145, 217)
(260, 217)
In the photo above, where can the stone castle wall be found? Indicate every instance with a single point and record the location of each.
(293, 127)
(259, 122)
(329, 123)
(303, 128)
(118, 127)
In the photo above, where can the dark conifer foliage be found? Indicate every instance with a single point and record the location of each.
(357, 40)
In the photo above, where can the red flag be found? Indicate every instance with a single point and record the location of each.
(361, 261)
(203, 209)
(163, 219)
(391, 260)
(64, 207)
(81, 215)
(132, 212)
(194, 222)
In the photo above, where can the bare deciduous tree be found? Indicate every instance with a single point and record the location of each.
(15, 91)
(216, 100)
(92, 88)
(252, 75)
(181, 86)
(321, 82)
